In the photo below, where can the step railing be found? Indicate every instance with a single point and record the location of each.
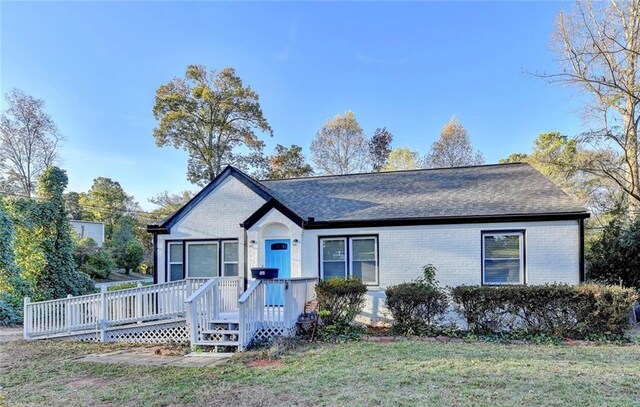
(106, 309)
(273, 305)
(213, 298)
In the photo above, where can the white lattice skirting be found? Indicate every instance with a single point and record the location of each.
(160, 332)
(264, 334)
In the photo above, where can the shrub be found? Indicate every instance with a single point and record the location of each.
(340, 300)
(416, 305)
(578, 312)
(133, 255)
(10, 313)
(125, 286)
(98, 265)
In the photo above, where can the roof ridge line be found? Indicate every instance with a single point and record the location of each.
(394, 171)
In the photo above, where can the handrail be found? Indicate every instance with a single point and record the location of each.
(217, 295)
(272, 305)
(252, 287)
(100, 311)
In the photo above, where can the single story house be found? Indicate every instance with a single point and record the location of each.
(488, 224)
(86, 228)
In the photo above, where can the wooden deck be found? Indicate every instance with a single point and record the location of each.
(207, 312)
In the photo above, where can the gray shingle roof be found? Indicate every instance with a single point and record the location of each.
(490, 190)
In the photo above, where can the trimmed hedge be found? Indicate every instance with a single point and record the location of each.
(585, 311)
(340, 300)
(415, 306)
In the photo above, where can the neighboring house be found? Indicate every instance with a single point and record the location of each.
(85, 228)
(491, 224)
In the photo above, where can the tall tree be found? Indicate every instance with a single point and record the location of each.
(558, 157)
(288, 163)
(514, 158)
(341, 147)
(380, 148)
(599, 49)
(29, 142)
(43, 243)
(402, 158)
(72, 203)
(168, 203)
(105, 202)
(123, 237)
(213, 117)
(453, 148)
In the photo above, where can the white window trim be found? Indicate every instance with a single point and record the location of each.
(200, 242)
(346, 265)
(224, 263)
(375, 256)
(348, 258)
(173, 263)
(520, 235)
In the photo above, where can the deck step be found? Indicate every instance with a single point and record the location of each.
(217, 343)
(224, 321)
(221, 331)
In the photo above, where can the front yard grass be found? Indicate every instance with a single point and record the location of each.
(408, 373)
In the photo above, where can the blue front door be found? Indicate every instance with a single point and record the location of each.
(277, 253)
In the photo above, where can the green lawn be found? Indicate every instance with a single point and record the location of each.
(398, 373)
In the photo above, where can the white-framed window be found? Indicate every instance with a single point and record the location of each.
(333, 257)
(503, 257)
(350, 256)
(230, 259)
(175, 261)
(364, 259)
(202, 259)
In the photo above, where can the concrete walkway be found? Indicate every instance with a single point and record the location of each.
(148, 357)
(8, 334)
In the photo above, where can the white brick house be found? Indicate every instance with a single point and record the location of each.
(493, 224)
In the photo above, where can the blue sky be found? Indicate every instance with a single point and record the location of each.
(406, 66)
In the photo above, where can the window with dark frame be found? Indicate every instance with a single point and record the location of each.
(202, 259)
(503, 257)
(175, 261)
(350, 256)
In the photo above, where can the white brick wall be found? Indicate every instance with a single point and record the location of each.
(217, 216)
(255, 252)
(551, 248)
(551, 251)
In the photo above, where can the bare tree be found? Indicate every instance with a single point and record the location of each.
(453, 148)
(341, 147)
(598, 46)
(29, 142)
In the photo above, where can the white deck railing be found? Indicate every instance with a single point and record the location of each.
(216, 296)
(100, 311)
(273, 304)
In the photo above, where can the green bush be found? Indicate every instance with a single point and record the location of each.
(98, 264)
(10, 312)
(340, 300)
(579, 312)
(416, 305)
(133, 255)
(125, 286)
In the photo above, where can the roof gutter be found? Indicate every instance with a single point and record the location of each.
(445, 220)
